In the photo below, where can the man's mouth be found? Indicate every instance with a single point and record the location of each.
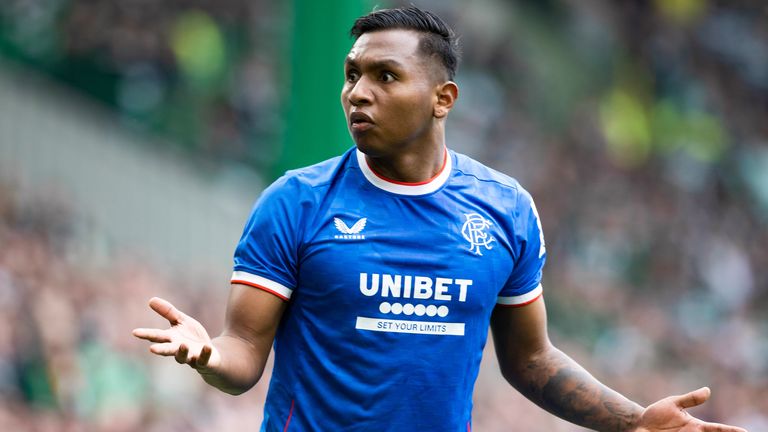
(360, 121)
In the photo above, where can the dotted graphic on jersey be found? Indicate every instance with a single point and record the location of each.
(409, 309)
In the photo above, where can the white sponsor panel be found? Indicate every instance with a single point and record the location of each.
(413, 327)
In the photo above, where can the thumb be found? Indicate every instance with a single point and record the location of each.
(692, 399)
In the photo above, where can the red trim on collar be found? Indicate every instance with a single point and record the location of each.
(445, 162)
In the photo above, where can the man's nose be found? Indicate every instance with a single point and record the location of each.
(360, 93)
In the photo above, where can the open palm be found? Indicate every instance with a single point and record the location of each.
(186, 340)
(669, 415)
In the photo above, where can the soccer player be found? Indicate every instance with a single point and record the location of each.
(376, 274)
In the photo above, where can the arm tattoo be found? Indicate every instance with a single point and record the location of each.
(562, 387)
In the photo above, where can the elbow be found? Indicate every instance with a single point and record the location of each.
(515, 376)
(509, 377)
(511, 372)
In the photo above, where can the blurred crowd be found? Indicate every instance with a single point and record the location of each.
(638, 126)
(200, 73)
(68, 361)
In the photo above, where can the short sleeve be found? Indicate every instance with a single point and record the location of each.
(524, 283)
(266, 256)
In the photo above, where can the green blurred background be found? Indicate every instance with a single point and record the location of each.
(136, 135)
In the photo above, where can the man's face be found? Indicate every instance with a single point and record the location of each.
(389, 92)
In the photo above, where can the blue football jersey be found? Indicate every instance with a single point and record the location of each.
(390, 287)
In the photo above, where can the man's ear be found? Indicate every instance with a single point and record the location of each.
(446, 93)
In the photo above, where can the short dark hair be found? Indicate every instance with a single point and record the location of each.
(437, 38)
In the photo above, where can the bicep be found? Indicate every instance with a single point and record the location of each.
(519, 334)
(253, 315)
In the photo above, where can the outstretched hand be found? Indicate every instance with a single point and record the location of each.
(669, 415)
(186, 340)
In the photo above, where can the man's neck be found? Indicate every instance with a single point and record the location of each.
(416, 166)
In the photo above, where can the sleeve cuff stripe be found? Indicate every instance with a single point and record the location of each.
(251, 284)
(521, 300)
(262, 283)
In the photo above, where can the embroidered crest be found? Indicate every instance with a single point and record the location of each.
(475, 232)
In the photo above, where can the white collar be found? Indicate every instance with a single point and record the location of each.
(402, 188)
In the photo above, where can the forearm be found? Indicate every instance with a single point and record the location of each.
(241, 365)
(558, 384)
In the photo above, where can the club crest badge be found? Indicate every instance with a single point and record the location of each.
(475, 231)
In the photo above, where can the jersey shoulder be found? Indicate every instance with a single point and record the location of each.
(488, 178)
(311, 179)
(319, 174)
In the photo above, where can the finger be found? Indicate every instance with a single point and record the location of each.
(152, 335)
(182, 354)
(205, 355)
(692, 399)
(166, 310)
(201, 360)
(717, 427)
(164, 349)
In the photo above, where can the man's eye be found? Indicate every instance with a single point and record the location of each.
(352, 76)
(387, 77)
